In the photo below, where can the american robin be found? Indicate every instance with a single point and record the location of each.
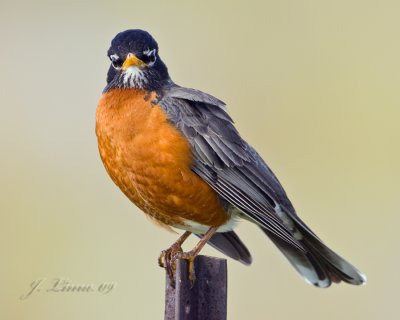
(175, 153)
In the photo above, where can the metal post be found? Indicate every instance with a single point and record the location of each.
(205, 299)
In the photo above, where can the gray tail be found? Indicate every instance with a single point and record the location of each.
(317, 264)
(230, 244)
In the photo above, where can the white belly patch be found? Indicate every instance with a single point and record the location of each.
(199, 228)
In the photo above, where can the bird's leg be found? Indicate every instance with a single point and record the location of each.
(165, 260)
(191, 255)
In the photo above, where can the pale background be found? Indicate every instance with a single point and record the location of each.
(313, 85)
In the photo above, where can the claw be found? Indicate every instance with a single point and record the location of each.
(167, 260)
(161, 259)
(192, 273)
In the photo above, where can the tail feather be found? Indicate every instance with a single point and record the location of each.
(336, 264)
(318, 264)
(306, 265)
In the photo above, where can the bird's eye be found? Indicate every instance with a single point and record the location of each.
(116, 61)
(149, 57)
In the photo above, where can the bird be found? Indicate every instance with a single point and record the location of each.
(176, 154)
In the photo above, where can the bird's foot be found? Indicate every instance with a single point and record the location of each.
(167, 260)
(168, 257)
(189, 256)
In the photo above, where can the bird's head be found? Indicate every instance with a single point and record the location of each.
(135, 62)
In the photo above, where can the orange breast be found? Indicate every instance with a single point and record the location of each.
(150, 160)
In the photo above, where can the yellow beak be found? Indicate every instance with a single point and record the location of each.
(132, 61)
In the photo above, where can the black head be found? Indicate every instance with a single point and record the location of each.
(135, 62)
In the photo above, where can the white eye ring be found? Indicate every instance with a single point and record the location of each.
(152, 54)
(114, 58)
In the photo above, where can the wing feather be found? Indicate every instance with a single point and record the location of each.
(226, 162)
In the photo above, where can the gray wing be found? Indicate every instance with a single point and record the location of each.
(225, 161)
